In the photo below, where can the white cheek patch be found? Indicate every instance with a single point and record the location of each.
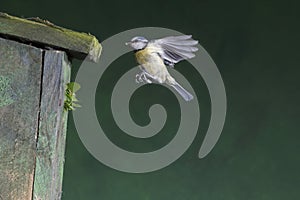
(138, 45)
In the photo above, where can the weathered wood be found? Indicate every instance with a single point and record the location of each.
(46, 34)
(20, 77)
(52, 128)
(33, 78)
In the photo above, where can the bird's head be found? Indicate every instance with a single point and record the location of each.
(138, 42)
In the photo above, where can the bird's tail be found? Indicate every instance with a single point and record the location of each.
(185, 94)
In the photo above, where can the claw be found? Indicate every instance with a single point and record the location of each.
(137, 78)
(141, 78)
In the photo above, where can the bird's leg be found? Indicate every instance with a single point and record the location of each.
(148, 80)
(143, 77)
(149, 76)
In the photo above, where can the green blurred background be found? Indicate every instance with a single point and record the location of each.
(255, 45)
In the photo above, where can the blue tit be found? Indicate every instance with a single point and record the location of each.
(155, 55)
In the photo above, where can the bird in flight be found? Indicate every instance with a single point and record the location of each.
(155, 55)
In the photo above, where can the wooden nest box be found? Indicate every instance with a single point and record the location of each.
(34, 70)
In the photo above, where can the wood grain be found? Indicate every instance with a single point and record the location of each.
(52, 127)
(20, 78)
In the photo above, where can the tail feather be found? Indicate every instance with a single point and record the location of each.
(185, 94)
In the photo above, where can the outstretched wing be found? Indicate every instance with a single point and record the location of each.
(175, 48)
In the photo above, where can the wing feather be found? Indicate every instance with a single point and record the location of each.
(175, 48)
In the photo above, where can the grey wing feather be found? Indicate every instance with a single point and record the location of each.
(176, 48)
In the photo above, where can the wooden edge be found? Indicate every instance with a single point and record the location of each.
(44, 34)
(51, 139)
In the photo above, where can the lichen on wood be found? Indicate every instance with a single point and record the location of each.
(20, 65)
(45, 34)
(6, 92)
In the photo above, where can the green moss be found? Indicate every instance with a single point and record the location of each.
(42, 32)
(6, 92)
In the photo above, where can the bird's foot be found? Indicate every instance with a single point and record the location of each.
(138, 78)
(142, 77)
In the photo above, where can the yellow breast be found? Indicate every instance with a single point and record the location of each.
(142, 56)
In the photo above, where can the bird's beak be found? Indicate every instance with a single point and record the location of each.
(127, 43)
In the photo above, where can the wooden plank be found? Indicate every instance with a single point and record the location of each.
(45, 34)
(20, 77)
(52, 128)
